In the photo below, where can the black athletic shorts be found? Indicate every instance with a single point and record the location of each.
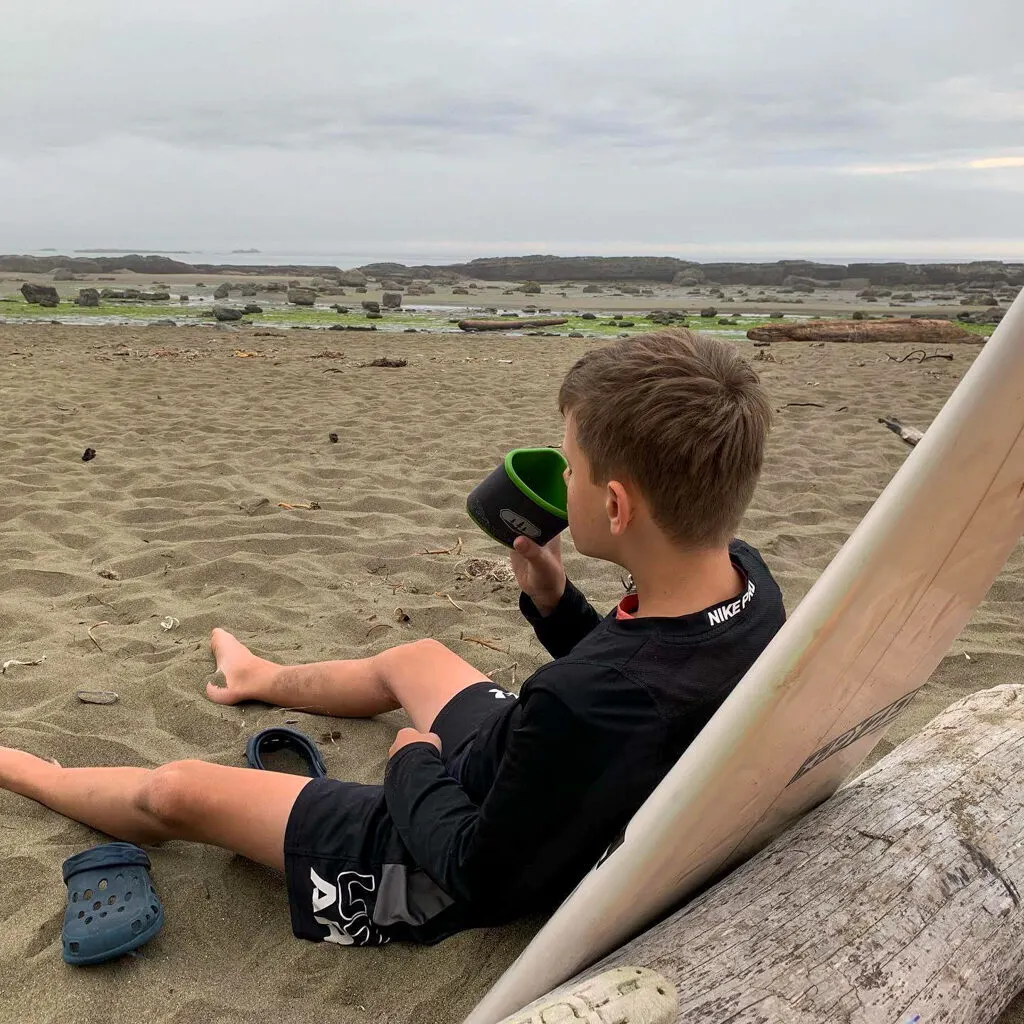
(350, 878)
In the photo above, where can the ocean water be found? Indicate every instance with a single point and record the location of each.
(272, 257)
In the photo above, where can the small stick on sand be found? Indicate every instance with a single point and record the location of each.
(483, 643)
(455, 549)
(448, 597)
(14, 661)
(96, 625)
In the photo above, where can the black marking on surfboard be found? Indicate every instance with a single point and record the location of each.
(879, 720)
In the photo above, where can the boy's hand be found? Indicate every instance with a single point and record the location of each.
(539, 572)
(407, 736)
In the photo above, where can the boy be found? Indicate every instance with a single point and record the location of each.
(495, 805)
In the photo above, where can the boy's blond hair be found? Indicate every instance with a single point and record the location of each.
(681, 415)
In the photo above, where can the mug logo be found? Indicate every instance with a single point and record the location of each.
(519, 523)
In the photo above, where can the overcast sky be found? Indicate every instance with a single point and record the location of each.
(696, 128)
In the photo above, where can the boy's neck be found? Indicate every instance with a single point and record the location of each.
(670, 582)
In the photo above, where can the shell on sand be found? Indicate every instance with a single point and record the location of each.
(918, 332)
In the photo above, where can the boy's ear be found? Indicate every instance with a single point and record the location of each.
(619, 507)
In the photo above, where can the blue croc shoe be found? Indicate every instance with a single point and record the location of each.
(112, 905)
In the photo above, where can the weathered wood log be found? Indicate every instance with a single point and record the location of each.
(623, 995)
(895, 332)
(896, 900)
(509, 325)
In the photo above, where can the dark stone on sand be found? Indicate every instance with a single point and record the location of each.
(371, 315)
(248, 290)
(332, 437)
(222, 291)
(371, 305)
(591, 289)
(776, 315)
(588, 316)
(227, 313)
(301, 296)
(575, 334)
(40, 294)
(63, 274)
(89, 454)
(163, 323)
(460, 291)
(338, 308)
(391, 300)
(352, 327)
(709, 311)
(87, 297)
(251, 307)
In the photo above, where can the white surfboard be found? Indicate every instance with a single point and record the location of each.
(853, 655)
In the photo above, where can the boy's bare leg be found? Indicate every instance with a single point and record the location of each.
(238, 809)
(420, 677)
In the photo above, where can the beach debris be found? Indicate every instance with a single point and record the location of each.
(802, 405)
(764, 356)
(909, 434)
(492, 644)
(328, 354)
(377, 627)
(169, 622)
(401, 615)
(11, 662)
(455, 549)
(309, 505)
(386, 361)
(254, 505)
(921, 332)
(97, 696)
(241, 353)
(330, 737)
(508, 361)
(511, 324)
(96, 625)
(89, 454)
(352, 327)
(332, 437)
(448, 598)
(921, 354)
(486, 569)
(108, 574)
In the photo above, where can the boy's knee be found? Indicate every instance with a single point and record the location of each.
(169, 793)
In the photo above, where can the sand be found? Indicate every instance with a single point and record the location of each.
(191, 438)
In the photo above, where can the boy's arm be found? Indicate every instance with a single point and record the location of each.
(558, 612)
(565, 625)
(518, 835)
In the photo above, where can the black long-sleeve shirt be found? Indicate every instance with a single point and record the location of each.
(548, 783)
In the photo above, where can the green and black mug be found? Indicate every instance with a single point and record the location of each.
(523, 497)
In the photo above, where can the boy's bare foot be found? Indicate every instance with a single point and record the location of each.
(246, 677)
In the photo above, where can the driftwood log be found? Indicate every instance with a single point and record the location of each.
(510, 324)
(895, 332)
(896, 901)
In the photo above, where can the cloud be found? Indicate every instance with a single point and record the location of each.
(389, 120)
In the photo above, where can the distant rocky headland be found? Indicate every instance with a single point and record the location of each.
(653, 269)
